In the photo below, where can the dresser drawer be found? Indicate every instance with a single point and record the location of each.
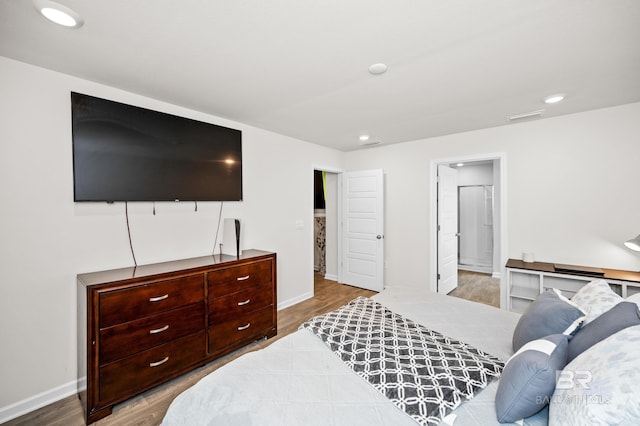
(231, 280)
(153, 366)
(147, 299)
(244, 328)
(239, 303)
(132, 337)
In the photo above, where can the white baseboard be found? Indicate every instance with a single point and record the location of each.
(331, 277)
(471, 268)
(496, 275)
(293, 301)
(40, 400)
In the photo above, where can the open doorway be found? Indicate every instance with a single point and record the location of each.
(480, 232)
(324, 235)
(325, 225)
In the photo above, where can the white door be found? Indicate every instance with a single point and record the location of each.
(447, 229)
(362, 248)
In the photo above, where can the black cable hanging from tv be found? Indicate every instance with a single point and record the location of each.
(126, 214)
(215, 241)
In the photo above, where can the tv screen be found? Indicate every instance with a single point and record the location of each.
(127, 153)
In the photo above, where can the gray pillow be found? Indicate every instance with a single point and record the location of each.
(550, 313)
(528, 379)
(621, 316)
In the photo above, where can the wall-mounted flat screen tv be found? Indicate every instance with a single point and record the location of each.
(127, 153)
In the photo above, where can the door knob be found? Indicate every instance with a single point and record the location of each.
(379, 236)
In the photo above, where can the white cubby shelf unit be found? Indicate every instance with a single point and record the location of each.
(526, 280)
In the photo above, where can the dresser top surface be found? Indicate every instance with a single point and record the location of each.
(169, 267)
(613, 274)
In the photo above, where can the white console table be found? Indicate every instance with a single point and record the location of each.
(526, 280)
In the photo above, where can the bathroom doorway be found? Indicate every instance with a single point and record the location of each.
(482, 196)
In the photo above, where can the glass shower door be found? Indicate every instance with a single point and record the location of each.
(475, 215)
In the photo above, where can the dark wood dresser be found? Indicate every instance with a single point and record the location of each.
(141, 326)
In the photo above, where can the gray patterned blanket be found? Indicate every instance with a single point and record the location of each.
(423, 372)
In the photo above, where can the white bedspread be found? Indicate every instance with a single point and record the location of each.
(298, 380)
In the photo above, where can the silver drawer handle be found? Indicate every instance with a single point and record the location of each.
(244, 327)
(159, 330)
(246, 302)
(157, 363)
(246, 277)
(159, 298)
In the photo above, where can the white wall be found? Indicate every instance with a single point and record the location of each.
(572, 184)
(47, 238)
(475, 174)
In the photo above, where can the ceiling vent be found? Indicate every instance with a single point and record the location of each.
(370, 143)
(525, 116)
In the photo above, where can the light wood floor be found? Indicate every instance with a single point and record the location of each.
(150, 407)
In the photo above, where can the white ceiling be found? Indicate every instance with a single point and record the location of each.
(299, 67)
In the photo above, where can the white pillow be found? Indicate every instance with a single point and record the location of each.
(635, 298)
(595, 299)
(601, 386)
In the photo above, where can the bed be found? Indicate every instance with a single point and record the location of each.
(299, 379)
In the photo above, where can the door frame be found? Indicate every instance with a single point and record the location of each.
(502, 250)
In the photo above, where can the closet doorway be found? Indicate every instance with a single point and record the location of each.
(325, 224)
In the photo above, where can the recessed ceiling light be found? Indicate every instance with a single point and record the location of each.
(552, 99)
(364, 138)
(460, 164)
(58, 13)
(378, 68)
